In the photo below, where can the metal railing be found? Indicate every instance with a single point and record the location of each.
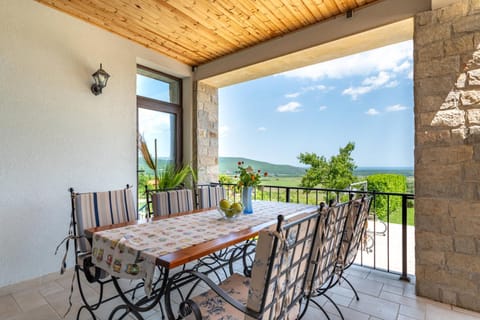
(389, 241)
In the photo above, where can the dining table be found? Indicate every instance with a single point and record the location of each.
(136, 249)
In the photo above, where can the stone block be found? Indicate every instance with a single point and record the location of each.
(470, 97)
(442, 155)
(431, 33)
(438, 67)
(432, 206)
(467, 24)
(427, 257)
(465, 245)
(469, 301)
(461, 81)
(457, 45)
(448, 296)
(427, 289)
(452, 100)
(474, 77)
(449, 118)
(474, 7)
(463, 263)
(425, 118)
(435, 86)
(430, 51)
(423, 19)
(473, 116)
(430, 103)
(425, 240)
(459, 135)
(433, 137)
(451, 12)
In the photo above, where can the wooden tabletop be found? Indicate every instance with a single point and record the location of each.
(191, 253)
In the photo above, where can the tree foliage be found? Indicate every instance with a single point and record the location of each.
(387, 183)
(335, 173)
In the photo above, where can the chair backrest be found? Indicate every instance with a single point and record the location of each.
(209, 196)
(94, 209)
(164, 203)
(327, 245)
(354, 231)
(279, 270)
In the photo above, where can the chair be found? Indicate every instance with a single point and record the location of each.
(276, 286)
(326, 251)
(209, 196)
(93, 209)
(354, 232)
(167, 202)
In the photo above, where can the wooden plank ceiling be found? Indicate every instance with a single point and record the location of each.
(198, 31)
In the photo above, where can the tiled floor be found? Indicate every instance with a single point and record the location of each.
(382, 296)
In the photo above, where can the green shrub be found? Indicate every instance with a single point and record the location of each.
(387, 183)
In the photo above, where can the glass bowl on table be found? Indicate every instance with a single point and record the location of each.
(229, 211)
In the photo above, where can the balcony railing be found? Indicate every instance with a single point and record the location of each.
(389, 241)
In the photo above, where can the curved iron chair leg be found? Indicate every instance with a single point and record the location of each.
(335, 305)
(319, 307)
(351, 286)
(89, 311)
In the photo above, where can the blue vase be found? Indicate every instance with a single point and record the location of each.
(247, 200)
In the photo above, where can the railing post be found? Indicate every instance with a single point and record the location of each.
(287, 195)
(404, 275)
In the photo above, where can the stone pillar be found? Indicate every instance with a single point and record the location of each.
(205, 138)
(447, 154)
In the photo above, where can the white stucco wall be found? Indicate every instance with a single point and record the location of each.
(54, 133)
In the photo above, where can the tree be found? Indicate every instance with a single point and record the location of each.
(336, 173)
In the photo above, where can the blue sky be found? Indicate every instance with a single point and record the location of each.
(365, 98)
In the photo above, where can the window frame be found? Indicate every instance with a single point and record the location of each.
(167, 107)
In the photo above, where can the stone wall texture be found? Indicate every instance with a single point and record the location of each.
(447, 154)
(205, 132)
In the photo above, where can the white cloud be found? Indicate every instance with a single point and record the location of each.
(262, 129)
(293, 95)
(396, 58)
(382, 80)
(354, 92)
(321, 108)
(372, 112)
(289, 107)
(397, 107)
(319, 87)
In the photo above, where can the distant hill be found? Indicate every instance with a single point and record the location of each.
(228, 165)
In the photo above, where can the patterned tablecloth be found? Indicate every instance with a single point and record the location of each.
(131, 251)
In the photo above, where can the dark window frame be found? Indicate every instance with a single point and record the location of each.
(162, 106)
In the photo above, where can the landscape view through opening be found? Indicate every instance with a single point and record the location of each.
(366, 98)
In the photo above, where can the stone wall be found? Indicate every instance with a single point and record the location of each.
(205, 138)
(447, 154)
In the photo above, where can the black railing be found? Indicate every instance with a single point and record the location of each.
(388, 244)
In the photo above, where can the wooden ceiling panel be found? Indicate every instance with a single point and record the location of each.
(198, 31)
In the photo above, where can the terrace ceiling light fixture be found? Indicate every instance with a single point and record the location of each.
(101, 77)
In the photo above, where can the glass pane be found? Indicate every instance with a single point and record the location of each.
(158, 129)
(158, 87)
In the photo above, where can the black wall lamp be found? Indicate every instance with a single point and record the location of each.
(101, 77)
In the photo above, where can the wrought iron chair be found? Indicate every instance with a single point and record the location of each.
(166, 202)
(93, 209)
(275, 288)
(209, 196)
(354, 232)
(326, 251)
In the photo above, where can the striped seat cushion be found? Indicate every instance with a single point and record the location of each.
(210, 196)
(96, 209)
(173, 201)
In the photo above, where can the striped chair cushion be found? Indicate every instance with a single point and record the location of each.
(354, 230)
(96, 209)
(173, 201)
(210, 196)
(327, 246)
